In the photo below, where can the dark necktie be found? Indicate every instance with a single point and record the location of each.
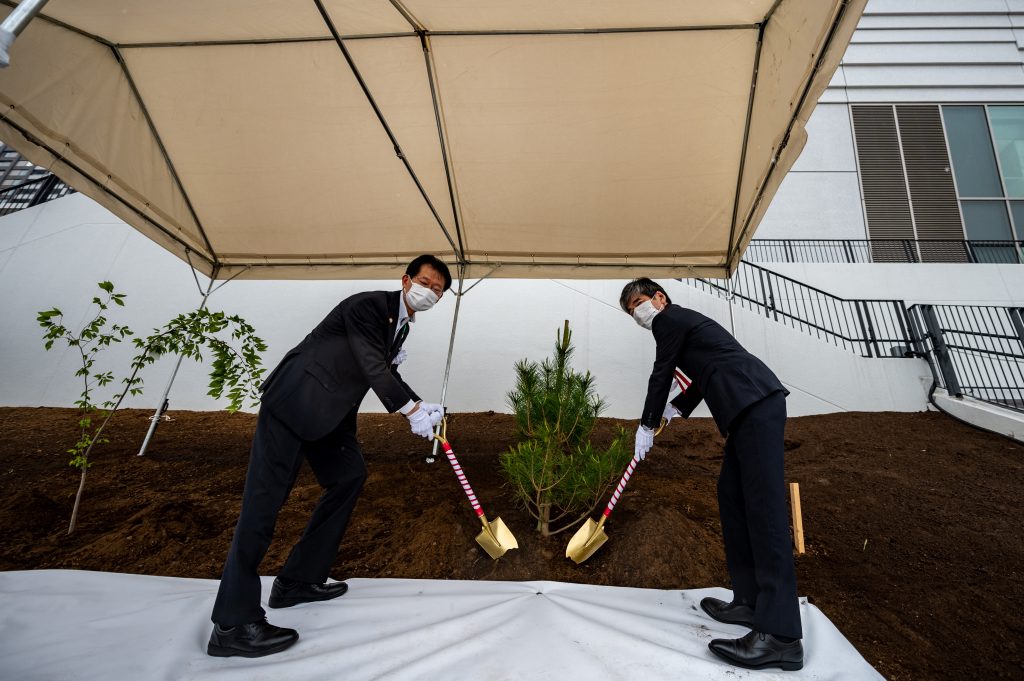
(403, 331)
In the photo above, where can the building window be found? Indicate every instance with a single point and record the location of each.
(953, 170)
(1008, 130)
(974, 163)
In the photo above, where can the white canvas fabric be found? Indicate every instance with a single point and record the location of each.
(586, 139)
(65, 624)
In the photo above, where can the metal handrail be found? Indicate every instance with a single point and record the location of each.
(14, 187)
(32, 193)
(974, 350)
(875, 327)
(986, 251)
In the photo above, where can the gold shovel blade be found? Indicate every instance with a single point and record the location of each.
(496, 538)
(587, 540)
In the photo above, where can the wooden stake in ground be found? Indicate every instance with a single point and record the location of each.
(798, 520)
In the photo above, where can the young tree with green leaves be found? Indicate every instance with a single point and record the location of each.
(558, 474)
(235, 371)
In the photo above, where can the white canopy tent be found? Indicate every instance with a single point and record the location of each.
(282, 139)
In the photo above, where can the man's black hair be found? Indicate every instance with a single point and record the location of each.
(642, 286)
(416, 265)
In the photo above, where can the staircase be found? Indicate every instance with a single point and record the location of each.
(972, 350)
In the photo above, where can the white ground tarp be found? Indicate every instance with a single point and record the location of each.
(584, 138)
(63, 625)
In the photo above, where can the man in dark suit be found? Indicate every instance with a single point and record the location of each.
(308, 411)
(748, 404)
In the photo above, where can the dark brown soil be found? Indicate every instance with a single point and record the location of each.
(915, 547)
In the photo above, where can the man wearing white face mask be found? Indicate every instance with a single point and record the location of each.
(309, 407)
(748, 403)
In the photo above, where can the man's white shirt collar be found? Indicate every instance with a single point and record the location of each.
(403, 311)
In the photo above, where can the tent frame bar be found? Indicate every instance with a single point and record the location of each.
(734, 255)
(164, 403)
(102, 186)
(428, 58)
(451, 345)
(58, 22)
(163, 150)
(387, 128)
(490, 263)
(746, 135)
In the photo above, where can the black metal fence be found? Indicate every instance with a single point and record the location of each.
(871, 328)
(974, 350)
(884, 251)
(32, 193)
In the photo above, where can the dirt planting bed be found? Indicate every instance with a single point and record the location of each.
(915, 547)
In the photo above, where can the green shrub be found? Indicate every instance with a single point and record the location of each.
(558, 474)
(234, 373)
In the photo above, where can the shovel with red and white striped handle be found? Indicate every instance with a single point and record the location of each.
(495, 538)
(589, 538)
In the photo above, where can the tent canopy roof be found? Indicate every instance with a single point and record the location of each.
(341, 138)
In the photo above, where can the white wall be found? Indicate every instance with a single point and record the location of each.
(934, 51)
(820, 198)
(52, 255)
(902, 51)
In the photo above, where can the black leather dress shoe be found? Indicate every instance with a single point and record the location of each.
(758, 651)
(255, 639)
(287, 593)
(729, 613)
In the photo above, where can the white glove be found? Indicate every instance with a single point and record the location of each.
(670, 413)
(422, 422)
(400, 357)
(644, 442)
(431, 407)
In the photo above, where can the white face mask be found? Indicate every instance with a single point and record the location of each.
(644, 314)
(420, 298)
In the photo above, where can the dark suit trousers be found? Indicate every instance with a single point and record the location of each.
(274, 463)
(755, 521)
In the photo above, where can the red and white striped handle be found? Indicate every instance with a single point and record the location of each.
(683, 382)
(461, 476)
(621, 486)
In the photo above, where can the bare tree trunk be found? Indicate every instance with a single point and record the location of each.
(545, 520)
(78, 500)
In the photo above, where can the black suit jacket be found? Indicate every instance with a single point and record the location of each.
(327, 375)
(722, 371)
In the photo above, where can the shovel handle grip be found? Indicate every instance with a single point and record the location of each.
(621, 486)
(461, 476)
(681, 380)
(626, 475)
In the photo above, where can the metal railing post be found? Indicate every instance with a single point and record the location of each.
(1017, 319)
(849, 251)
(45, 187)
(863, 328)
(945, 363)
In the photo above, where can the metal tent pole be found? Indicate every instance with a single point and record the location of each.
(448, 364)
(14, 24)
(730, 297)
(163, 404)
